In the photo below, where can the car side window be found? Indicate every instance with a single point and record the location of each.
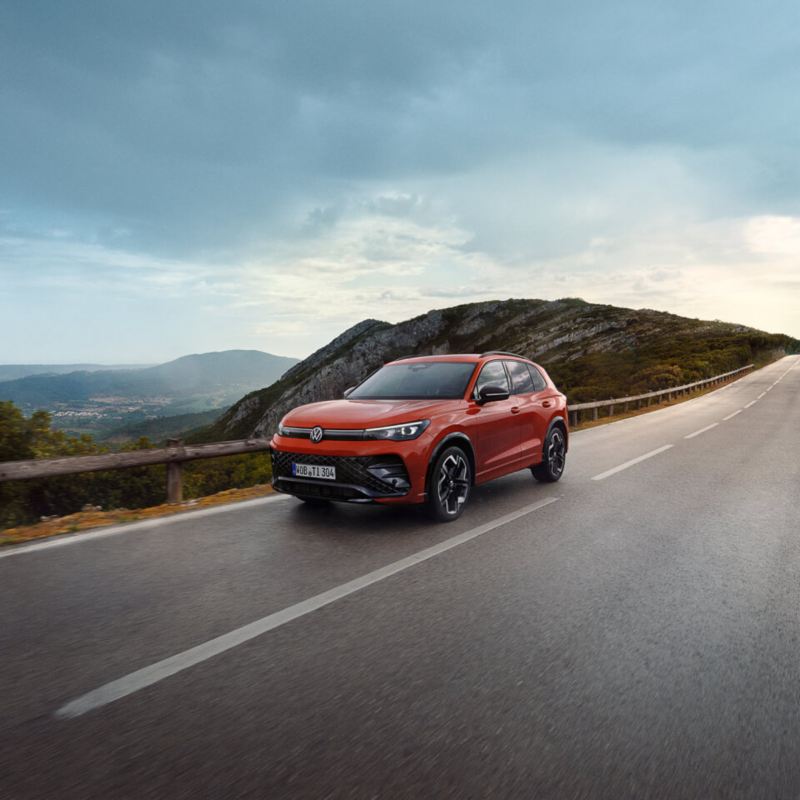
(521, 380)
(539, 382)
(492, 374)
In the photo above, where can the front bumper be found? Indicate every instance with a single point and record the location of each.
(359, 478)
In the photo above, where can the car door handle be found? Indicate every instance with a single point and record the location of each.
(515, 410)
(546, 403)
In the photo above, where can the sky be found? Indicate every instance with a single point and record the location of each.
(192, 176)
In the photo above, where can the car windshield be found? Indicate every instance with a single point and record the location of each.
(416, 380)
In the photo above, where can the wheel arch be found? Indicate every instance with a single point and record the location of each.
(559, 422)
(455, 438)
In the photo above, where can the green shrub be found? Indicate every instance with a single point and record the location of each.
(138, 487)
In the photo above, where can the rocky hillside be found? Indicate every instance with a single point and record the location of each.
(591, 351)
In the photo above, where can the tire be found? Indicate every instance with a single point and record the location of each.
(554, 452)
(449, 485)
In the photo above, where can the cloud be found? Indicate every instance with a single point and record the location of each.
(379, 159)
(774, 235)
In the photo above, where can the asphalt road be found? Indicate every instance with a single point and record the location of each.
(636, 636)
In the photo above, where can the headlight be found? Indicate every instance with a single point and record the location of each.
(398, 433)
(281, 429)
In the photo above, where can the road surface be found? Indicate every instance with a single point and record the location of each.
(632, 631)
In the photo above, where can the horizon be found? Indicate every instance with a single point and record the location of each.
(264, 178)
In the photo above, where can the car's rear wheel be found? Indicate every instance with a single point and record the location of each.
(555, 457)
(450, 482)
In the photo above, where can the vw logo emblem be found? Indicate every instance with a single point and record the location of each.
(316, 434)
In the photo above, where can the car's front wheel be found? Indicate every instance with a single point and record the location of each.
(450, 482)
(555, 457)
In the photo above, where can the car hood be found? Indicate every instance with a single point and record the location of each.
(365, 413)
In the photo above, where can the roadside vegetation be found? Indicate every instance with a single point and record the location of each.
(660, 365)
(25, 502)
(586, 421)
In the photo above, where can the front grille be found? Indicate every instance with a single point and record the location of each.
(375, 476)
(327, 433)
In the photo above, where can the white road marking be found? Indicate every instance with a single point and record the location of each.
(751, 403)
(761, 395)
(731, 416)
(115, 530)
(637, 460)
(702, 430)
(154, 673)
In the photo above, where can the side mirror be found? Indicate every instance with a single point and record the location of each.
(489, 394)
(347, 391)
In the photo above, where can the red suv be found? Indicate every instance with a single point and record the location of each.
(425, 429)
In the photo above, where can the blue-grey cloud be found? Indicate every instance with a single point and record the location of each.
(239, 133)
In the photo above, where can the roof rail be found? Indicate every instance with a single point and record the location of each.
(501, 353)
(403, 358)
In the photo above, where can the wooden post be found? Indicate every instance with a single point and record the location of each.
(174, 478)
(174, 483)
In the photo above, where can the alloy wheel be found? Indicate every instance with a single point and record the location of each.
(556, 453)
(452, 483)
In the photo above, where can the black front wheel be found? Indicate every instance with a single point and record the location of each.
(555, 457)
(450, 482)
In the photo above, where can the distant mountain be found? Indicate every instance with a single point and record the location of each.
(10, 372)
(95, 401)
(591, 351)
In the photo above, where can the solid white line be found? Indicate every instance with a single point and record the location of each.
(761, 395)
(731, 416)
(751, 403)
(188, 658)
(115, 530)
(630, 463)
(702, 430)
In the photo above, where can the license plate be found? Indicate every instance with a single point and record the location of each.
(314, 471)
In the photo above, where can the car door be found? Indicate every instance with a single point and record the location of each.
(531, 418)
(496, 435)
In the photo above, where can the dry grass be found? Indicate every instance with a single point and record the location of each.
(87, 520)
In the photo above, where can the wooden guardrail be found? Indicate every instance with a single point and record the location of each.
(174, 455)
(638, 399)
